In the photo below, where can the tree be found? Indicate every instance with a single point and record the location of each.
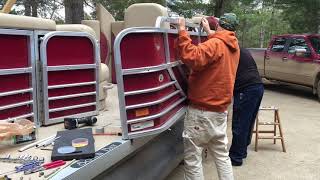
(74, 11)
(259, 19)
(258, 24)
(27, 8)
(31, 7)
(189, 8)
(303, 16)
(220, 6)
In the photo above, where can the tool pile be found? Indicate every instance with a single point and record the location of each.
(21, 159)
(41, 143)
(29, 165)
(72, 144)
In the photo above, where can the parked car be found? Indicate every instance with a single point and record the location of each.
(291, 58)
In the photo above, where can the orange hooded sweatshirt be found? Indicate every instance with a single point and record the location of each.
(213, 65)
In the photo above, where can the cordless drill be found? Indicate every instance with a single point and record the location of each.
(72, 123)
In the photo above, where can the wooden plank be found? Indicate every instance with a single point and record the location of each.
(269, 137)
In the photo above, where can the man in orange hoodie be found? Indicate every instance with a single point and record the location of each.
(213, 65)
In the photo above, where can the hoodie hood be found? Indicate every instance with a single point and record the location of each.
(229, 38)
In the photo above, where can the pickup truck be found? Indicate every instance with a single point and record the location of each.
(291, 58)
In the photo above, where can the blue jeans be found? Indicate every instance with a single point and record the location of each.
(246, 105)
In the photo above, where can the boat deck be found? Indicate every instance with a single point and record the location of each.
(109, 116)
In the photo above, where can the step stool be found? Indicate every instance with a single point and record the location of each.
(275, 123)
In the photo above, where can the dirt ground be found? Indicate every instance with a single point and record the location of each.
(300, 118)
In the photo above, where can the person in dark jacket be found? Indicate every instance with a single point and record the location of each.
(248, 93)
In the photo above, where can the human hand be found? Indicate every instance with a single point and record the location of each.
(205, 25)
(182, 24)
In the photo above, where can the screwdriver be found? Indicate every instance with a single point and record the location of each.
(24, 167)
(45, 167)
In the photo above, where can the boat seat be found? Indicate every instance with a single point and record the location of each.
(117, 27)
(24, 22)
(95, 25)
(76, 28)
(104, 74)
(144, 14)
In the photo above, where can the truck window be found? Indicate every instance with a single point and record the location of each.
(298, 43)
(278, 45)
(315, 42)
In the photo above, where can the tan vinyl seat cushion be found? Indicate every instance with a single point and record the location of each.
(76, 28)
(144, 14)
(25, 22)
(105, 19)
(94, 24)
(104, 74)
(102, 94)
(117, 27)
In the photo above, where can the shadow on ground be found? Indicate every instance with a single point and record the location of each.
(291, 89)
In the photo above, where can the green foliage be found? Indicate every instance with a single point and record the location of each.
(257, 25)
(189, 8)
(303, 15)
(259, 19)
(45, 8)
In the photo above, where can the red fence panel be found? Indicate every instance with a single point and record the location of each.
(17, 75)
(151, 88)
(70, 75)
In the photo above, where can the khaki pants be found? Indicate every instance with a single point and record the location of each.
(205, 129)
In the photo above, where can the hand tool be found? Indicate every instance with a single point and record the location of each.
(35, 143)
(72, 123)
(46, 167)
(21, 159)
(47, 143)
(49, 176)
(108, 134)
(23, 167)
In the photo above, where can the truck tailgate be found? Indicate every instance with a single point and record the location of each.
(258, 55)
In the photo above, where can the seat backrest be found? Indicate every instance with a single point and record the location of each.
(95, 25)
(105, 19)
(117, 27)
(24, 22)
(144, 14)
(76, 28)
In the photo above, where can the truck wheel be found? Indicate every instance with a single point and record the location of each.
(318, 90)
